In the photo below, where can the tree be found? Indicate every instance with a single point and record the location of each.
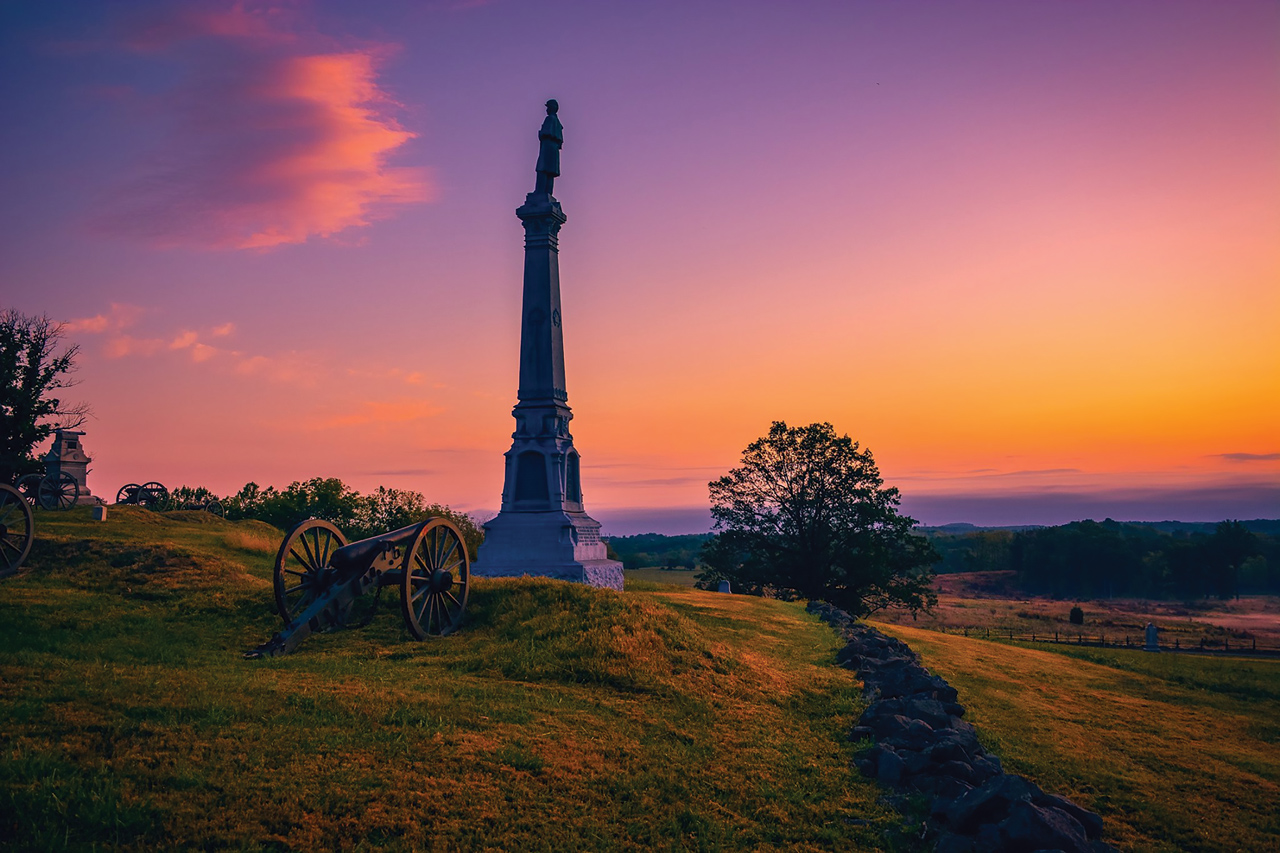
(31, 370)
(807, 515)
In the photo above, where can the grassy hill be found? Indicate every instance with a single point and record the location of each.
(1178, 753)
(560, 718)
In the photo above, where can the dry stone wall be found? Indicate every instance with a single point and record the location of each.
(922, 744)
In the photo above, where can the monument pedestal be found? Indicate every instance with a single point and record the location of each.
(561, 545)
(543, 529)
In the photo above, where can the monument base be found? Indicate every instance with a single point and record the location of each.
(561, 545)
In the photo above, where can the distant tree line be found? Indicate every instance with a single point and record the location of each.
(1102, 559)
(646, 550)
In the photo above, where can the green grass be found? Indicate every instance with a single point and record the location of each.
(1179, 753)
(560, 718)
(638, 578)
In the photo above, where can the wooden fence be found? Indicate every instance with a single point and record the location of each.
(1121, 641)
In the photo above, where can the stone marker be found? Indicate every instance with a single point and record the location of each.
(543, 528)
(1153, 643)
(100, 513)
(67, 456)
(724, 587)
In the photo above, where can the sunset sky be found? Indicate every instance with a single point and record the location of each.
(1026, 252)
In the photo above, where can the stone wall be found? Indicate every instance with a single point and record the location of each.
(922, 745)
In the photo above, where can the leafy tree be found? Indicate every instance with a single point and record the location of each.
(807, 515)
(31, 372)
(1225, 552)
(390, 509)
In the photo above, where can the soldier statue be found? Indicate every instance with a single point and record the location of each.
(550, 138)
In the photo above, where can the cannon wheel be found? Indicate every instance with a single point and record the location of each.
(303, 557)
(29, 487)
(60, 492)
(152, 495)
(215, 508)
(16, 529)
(435, 580)
(128, 494)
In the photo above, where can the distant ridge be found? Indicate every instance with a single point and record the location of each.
(1269, 526)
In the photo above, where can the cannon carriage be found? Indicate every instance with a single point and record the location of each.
(153, 495)
(322, 583)
(150, 495)
(49, 491)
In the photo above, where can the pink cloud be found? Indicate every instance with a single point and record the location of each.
(122, 345)
(96, 323)
(183, 340)
(119, 317)
(223, 330)
(267, 143)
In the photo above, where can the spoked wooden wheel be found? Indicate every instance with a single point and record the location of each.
(16, 529)
(29, 486)
(128, 494)
(435, 580)
(60, 492)
(300, 564)
(152, 495)
(215, 507)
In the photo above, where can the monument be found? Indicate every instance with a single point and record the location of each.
(543, 529)
(67, 456)
(1152, 638)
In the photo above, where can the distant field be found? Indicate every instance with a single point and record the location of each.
(983, 600)
(1178, 752)
(561, 718)
(677, 577)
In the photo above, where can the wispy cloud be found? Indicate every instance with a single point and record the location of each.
(270, 139)
(119, 316)
(1248, 457)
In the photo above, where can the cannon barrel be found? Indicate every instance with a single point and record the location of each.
(359, 556)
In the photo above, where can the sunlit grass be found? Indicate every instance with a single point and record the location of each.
(636, 578)
(1179, 753)
(560, 718)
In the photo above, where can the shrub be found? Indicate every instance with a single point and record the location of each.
(1077, 616)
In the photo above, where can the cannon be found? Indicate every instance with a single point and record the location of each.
(155, 496)
(322, 583)
(50, 491)
(150, 495)
(16, 529)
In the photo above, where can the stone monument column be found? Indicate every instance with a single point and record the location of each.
(543, 528)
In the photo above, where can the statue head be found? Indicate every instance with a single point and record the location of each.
(552, 107)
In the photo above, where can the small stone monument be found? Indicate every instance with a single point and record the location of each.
(1153, 642)
(724, 587)
(543, 528)
(67, 456)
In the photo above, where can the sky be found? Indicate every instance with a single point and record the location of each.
(1026, 253)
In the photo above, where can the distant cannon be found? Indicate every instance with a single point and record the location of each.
(155, 496)
(17, 529)
(322, 583)
(150, 495)
(49, 491)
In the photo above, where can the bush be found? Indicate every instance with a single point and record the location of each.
(1077, 616)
